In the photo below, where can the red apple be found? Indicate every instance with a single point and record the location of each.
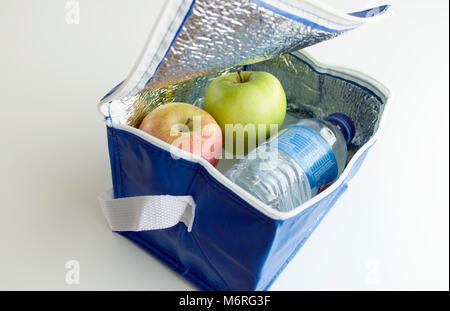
(187, 127)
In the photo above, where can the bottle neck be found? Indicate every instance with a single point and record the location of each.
(344, 124)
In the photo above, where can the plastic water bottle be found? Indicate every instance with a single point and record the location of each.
(296, 164)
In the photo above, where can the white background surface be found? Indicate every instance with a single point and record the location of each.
(389, 231)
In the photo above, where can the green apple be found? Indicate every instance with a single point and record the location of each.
(245, 105)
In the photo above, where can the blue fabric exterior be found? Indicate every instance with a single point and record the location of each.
(232, 245)
(371, 12)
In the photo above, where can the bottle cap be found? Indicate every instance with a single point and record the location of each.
(344, 123)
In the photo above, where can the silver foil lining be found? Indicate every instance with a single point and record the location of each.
(220, 34)
(309, 94)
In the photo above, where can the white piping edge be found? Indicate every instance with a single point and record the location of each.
(346, 16)
(349, 74)
(323, 13)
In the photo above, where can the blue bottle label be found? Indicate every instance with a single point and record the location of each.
(312, 153)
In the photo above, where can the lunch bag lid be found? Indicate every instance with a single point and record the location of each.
(193, 38)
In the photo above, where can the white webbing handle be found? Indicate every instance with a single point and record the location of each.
(150, 212)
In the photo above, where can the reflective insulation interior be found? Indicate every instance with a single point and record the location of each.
(310, 94)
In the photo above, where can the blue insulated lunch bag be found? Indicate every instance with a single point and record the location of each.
(176, 205)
